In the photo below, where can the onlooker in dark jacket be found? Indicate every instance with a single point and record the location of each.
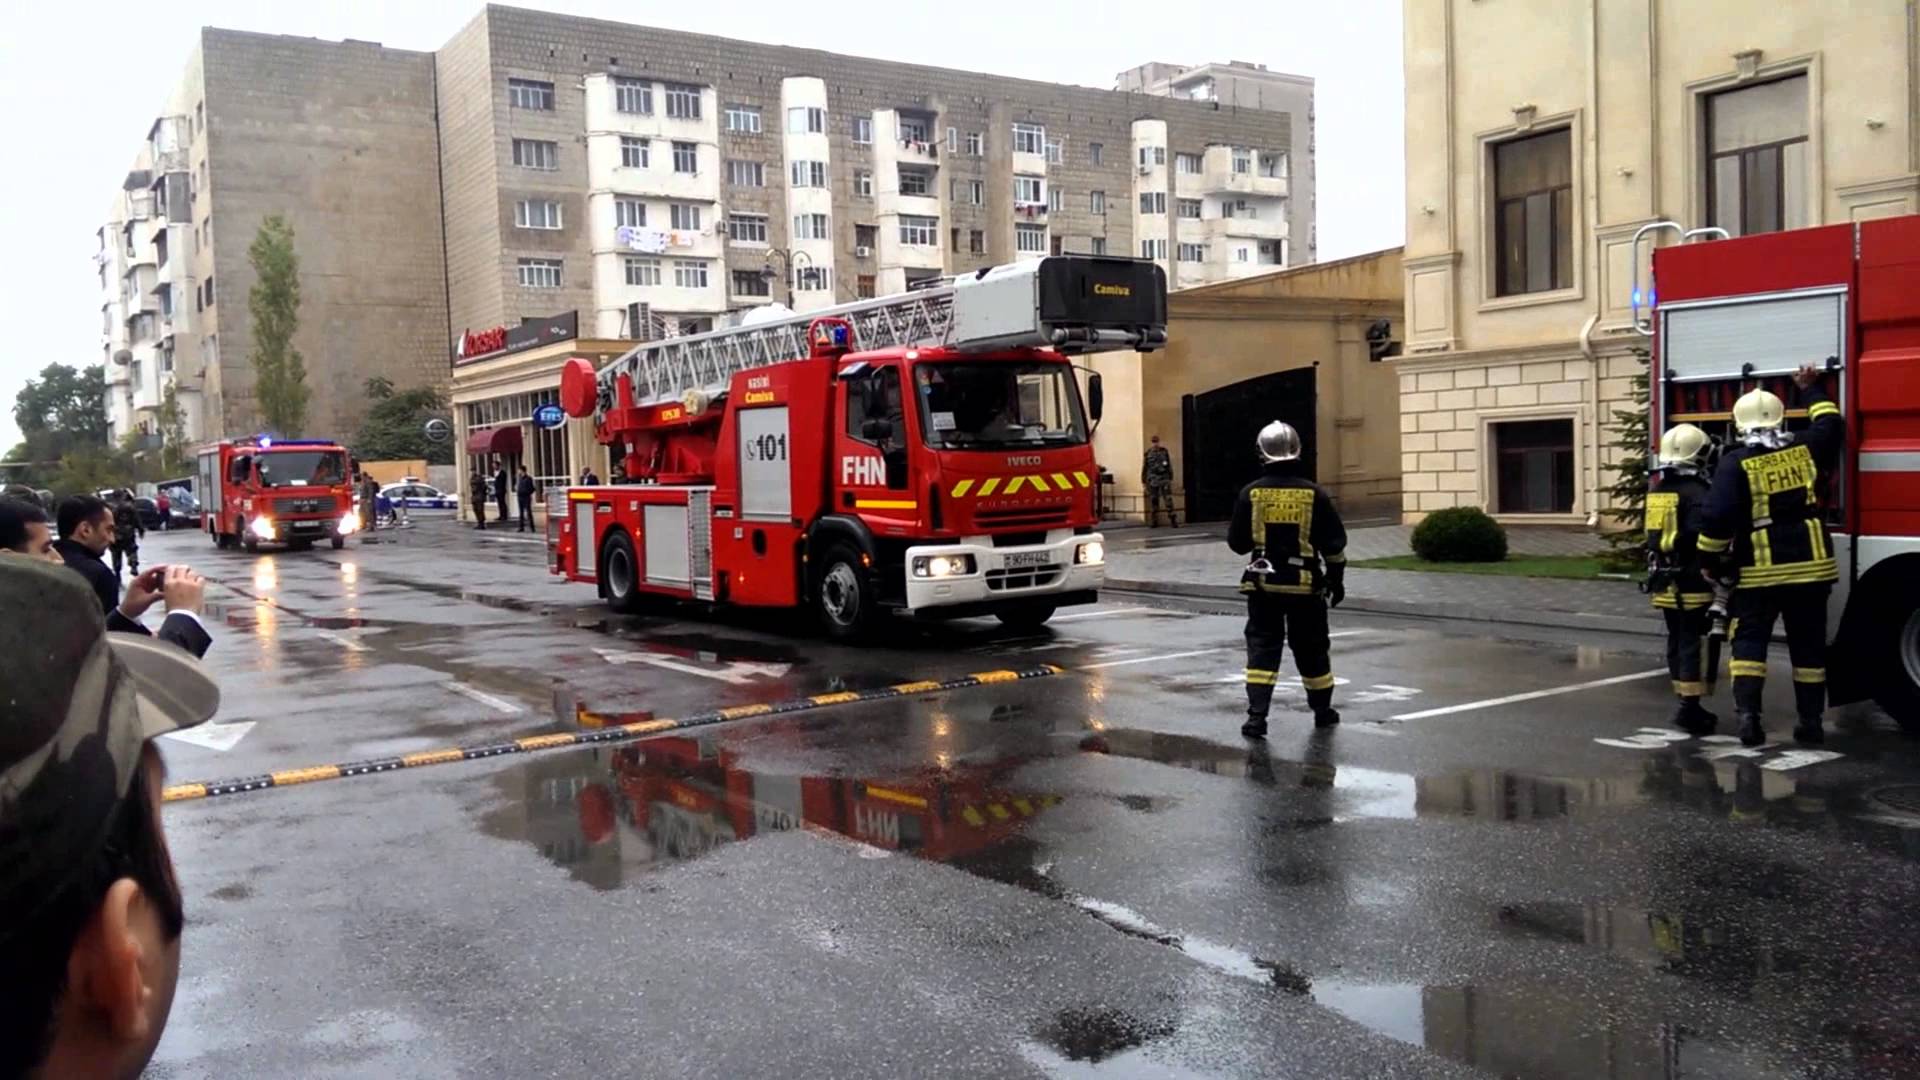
(86, 531)
(525, 491)
(502, 485)
(24, 530)
(477, 495)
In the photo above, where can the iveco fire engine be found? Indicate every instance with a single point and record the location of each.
(1734, 314)
(276, 491)
(927, 453)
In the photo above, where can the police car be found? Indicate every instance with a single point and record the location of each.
(415, 495)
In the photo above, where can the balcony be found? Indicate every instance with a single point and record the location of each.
(604, 115)
(1273, 227)
(1219, 177)
(892, 203)
(657, 179)
(910, 151)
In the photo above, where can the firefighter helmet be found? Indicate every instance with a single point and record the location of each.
(1683, 444)
(1278, 442)
(1758, 410)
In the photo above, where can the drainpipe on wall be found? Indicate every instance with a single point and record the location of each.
(1593, 443)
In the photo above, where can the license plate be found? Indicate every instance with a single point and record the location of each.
(1020, 560)
(307, 525)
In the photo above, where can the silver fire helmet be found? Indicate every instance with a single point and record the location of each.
(1278, 442)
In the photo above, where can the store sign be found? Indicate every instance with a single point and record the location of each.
(549, 416)
(506, 340)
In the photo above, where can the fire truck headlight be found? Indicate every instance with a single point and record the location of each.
(349, 523)
(1093, 551)
(942, 566)
(263, 527)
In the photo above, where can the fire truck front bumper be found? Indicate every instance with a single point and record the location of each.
(974, 574)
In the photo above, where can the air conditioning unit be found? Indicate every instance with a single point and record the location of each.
(863, 252)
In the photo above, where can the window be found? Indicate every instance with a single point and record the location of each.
(864, 286)
(877, 387)
(530, 94)
(916, 182)
(1029, 139)
(1030, 238)
(751, 283)
(976, 242)
(1056, 151)
(1152, 155)
(970, 192)
(633, 96)
(811, 227)
(743, 118)
(866, 236)
(1192, 252)
(1533, 466)
(1099, 246)
(1241, 254)
(1533, 213)
(809, 174)
(209, 290)
(1096, 153)
(683, 102)
(642, 271)
(862, 129)
(1153, 202)
(536, 154)
(536, 214)
(863, 183)
(1153, 249)
(813, 279)
(690, 273)
(1056, 198)
(914, 129)
(1273, 166)
(919, 231)
(635, 152)
(1029, 190)
(746, 174)
(953, 238)
(805, 120)
(540, 273)
(1757, 157)
(953, 140)
(631, 213)
(747, 228)
(1059, 245)
(976, 143)
(685, 216)
(1096, 202)
(1189, 208)
(686, 157)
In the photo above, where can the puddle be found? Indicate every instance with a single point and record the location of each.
(1107, 1043)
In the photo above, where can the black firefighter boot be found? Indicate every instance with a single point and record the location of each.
(1746, 710)
(1324, 714)
(1751, 733)
(1811, 702)
(1694, 719)
(1255, 727)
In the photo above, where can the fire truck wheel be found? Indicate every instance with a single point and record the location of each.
(1031, 615)
(338, 542)
(843, 597)
(251, 544)
(1899, 689)
(620, 572)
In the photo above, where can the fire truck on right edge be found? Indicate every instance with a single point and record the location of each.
(1728, 315)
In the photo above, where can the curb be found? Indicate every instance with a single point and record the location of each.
(206, 789)
(1577, 620)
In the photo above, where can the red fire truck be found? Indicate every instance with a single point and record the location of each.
(1733, 314)
(926, 453)
(276, 491)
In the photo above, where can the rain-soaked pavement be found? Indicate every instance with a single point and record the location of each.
(1083, 875)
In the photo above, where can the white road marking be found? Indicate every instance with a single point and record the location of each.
(1154, 659)
(212, 736)
(1384, 692)
(511, 540)
(1532, 695)
(1794, 759)
(1346, 633)
(1369, 727)
(484, 698)
(342, 640)
(1106, 614)
(737, 672)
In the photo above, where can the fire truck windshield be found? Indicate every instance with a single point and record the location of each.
(295, 468)
(994, 404)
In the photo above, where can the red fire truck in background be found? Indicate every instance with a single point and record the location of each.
(927, 452)
(276, 491)
(1733, 314)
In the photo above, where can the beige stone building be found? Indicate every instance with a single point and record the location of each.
(1291, 345)
(1540, 137)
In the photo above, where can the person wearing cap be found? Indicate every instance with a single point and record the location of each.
(1677, 492)
(24, 530)
(90, 910)
(86, 530)
(1290, 526)
(1763, 522)
(1156, 475)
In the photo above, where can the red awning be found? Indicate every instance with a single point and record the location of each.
(497, 440)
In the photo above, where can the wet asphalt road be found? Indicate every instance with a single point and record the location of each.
(1084, 875)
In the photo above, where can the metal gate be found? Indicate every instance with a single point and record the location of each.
(1218, 429)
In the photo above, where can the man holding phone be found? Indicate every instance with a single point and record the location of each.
(86, 532)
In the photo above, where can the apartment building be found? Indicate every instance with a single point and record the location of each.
(1241, 85)
(340, 139)
(1540, 137)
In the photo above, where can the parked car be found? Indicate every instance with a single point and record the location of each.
(183, 509)
(149, 511)
(418, 496)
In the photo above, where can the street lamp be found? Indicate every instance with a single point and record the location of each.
(795, 264)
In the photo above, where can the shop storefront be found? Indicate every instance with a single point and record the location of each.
(501, 379)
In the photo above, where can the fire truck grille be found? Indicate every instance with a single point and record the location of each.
(322, 505)
(1030, 516)
(1025, 577)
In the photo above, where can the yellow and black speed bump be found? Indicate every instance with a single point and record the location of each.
(611, 733)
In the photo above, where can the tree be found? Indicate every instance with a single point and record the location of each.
(395, 427)
(63, 410)
(1628, 492)
(172, 420)
(379, 387)
(280, 374)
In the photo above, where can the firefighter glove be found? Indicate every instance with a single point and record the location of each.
(1336, 585)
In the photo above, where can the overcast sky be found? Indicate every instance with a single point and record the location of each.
(84, 111)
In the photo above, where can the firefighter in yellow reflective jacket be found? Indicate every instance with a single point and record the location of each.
(1289, 525)
(1763, 520)
(1676, 498)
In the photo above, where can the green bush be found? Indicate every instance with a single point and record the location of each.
(1460, 534)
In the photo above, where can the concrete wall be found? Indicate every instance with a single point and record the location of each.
(339, 138)
(1222, 334)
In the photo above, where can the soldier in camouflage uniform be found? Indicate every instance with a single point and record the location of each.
(1157, 475)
